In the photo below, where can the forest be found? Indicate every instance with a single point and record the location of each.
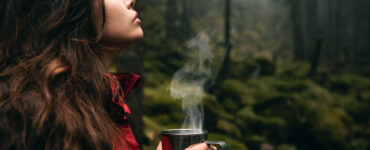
(275, 74)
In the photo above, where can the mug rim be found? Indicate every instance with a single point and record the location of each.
(180, 132)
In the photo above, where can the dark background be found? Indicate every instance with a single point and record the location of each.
(296, 75)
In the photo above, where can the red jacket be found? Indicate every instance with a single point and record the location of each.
(122, 84)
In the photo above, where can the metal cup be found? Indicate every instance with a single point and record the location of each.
(179, 139)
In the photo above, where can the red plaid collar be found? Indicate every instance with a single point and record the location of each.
(122, 84)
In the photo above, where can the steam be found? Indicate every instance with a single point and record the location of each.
(188, 83)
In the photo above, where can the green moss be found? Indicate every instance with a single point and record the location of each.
(230, 105)
(152, 128)
(286, 147)
(246, 113)
(231, 89)
(329, 110)
(161, 107)
(296, 69)
(229, 128)
(360, 144)
(331, 124)
(156, 79)
(217, 110)
(266, 67)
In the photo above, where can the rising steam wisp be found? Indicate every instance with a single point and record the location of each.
(189, 82)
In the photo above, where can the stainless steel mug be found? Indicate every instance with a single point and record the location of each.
(179, 139)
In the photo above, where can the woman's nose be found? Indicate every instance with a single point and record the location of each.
(130, 3)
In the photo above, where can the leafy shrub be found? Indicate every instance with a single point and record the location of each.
(296, 69)
(231, 89)
(286, 147)
(266, 66)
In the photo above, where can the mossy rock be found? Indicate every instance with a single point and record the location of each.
(296, 69)
(366, 96)
(158, 101)
(342, 85)
(230, 105)
(360, 144)
(232, 89)
(348, 83)
(286, 85)
(332, 125)
(161, 106)
(242, 70)
(151, 128)
(246, 113)
(250, 116)
(260, 89)
(245, 69)
(229, 128)
(215, 109)
(266, 66)
(315, 93)
(155, 79)
(286, 147)
(271, 102)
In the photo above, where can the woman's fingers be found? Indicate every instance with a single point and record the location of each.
(159, 147)
(212, 148)
(201, 146)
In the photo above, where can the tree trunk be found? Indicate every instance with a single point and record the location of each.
(338, 47)
(316, 56)
(226, 62)
(171, 18)
(225, 66)
(314, 36)
(296, 16)
(186, 24)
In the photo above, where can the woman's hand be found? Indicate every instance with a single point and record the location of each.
(159, 147)
(199, 146)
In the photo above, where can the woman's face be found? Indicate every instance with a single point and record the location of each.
(122, 25)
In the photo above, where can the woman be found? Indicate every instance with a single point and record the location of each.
(55, 90)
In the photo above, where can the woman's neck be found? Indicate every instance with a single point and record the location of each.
(109, 54)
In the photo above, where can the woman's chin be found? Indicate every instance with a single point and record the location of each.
(140, 34)
(121, 43)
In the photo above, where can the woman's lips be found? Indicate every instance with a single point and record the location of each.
(136, 19)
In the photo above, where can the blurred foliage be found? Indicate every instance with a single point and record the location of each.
(265, 101)
(285, 109)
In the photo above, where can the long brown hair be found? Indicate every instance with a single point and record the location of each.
(52, 85)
